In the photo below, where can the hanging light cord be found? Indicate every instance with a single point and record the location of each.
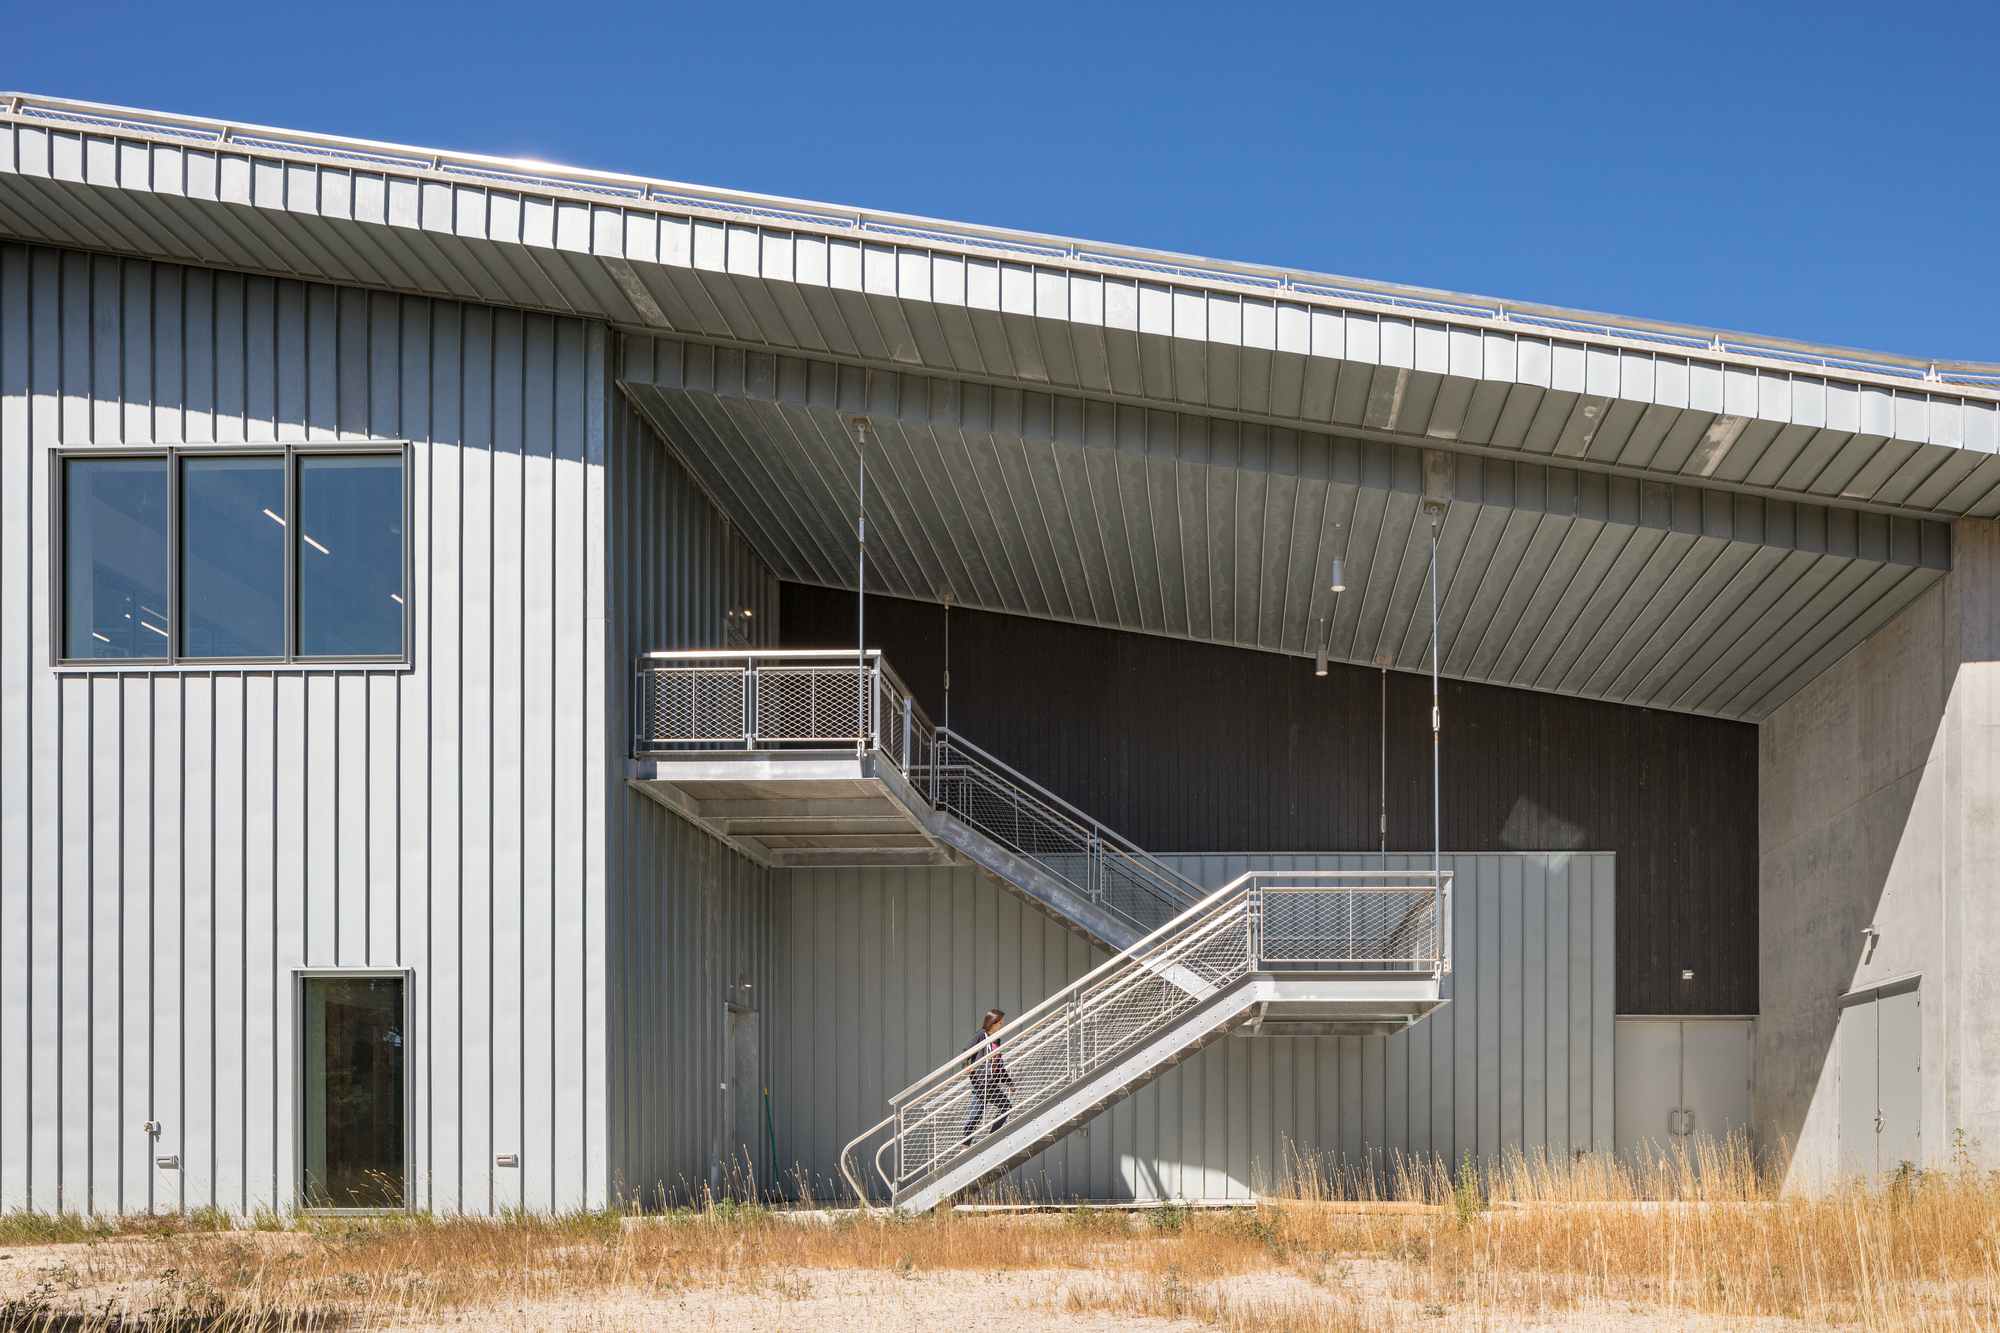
(861, 581)
(1437, 721)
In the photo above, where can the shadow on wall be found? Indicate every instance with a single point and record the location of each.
(1872, 857)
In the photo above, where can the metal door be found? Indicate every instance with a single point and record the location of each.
(1857, 1042)
(1646, 1087)
(1899, 1081)
(1715, 1081)
(744, 1160)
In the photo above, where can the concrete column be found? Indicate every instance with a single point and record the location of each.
(1878, 789)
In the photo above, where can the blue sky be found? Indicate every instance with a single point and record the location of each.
(1823, 172)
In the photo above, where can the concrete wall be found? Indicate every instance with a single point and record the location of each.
(1878, 788)
(882, 975)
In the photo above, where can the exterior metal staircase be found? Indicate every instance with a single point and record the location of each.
(807, 758)
(824, 758)
(1301, 952)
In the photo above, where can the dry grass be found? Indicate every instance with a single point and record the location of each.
(1531, 1243)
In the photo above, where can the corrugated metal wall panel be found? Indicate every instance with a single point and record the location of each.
(689, 918)
(177, 842)
(882, 976)
(1197, 747)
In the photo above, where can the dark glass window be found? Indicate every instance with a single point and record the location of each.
(232, 557)
(115, 530)
(350, 555)
(353, 1048)
(198, 555)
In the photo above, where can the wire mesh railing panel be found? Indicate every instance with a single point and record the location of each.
(1133, 889)
(809, 703)
(1086, 857)
(685, 705)
(1093, 1023)
(1357, 926)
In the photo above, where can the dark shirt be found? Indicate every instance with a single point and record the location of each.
(984, 1065)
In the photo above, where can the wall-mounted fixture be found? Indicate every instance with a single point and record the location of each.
(1873, 934)
(507, 1159)
(1687, 974)
(168, 1162)
(150, 1127)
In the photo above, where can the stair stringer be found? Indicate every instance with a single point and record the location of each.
(1016, 874)
(997, 1154)
(1039, 889)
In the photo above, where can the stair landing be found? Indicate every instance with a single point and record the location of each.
(785, 809)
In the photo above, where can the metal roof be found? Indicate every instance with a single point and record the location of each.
(1104, 352)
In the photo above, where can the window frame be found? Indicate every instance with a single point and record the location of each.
(173, 455)
(300, 976)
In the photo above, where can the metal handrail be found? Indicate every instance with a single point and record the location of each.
(731, 698)
(1235, 931)
(1108, 869)
(808, 697)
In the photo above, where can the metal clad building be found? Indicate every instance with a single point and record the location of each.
(372, 825)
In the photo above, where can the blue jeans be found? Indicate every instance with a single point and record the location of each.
(982, 1098)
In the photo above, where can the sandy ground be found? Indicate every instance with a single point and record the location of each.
(844, 1300)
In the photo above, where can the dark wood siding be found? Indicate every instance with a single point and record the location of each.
(1190, 747)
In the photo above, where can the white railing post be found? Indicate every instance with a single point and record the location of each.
(906, 735)
(1253, 923)
(750, 704)
(641, 710)
(871, 725)
(1073, 1056)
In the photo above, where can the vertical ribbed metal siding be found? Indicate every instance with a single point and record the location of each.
(883, 974)
(689, 917)
(173, 844)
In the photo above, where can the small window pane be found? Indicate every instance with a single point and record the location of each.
(233, 557)
(353, 1092)
(350, 555)
(115, 575)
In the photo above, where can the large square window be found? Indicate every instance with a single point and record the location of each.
(288, 554)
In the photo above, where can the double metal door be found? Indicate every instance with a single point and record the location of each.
(1679, 1083)
(1881, 1046)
